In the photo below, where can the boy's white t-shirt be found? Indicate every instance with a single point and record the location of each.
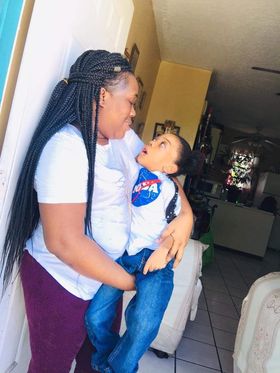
(61, 177)
(149, 202)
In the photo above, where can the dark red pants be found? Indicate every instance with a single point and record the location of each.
(56, 322)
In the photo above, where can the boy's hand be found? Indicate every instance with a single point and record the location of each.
(180, 230)
(157, 260)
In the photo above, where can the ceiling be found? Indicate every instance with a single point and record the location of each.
(228, 37)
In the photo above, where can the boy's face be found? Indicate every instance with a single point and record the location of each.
(161, 154)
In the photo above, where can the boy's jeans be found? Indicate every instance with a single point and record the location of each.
(143, 316)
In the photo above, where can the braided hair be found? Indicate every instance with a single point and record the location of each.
(188, 161)
(71, 102)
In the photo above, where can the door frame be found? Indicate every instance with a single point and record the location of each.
(39, 73)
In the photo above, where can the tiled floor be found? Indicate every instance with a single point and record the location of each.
(208, 342)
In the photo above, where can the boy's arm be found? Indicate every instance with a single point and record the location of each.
(159, 257)
(180, 228)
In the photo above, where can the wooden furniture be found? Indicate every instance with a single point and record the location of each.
(241, 228)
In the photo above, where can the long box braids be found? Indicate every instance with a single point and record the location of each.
(71, 102)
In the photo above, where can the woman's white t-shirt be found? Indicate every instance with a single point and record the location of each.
(61, 177)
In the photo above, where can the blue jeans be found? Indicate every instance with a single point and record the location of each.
(143, 316)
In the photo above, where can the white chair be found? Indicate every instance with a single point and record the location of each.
(257, 344)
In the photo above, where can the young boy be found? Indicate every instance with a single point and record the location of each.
(154, 203)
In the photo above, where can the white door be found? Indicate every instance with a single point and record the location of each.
(60, 30)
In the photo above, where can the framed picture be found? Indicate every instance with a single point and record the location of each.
(158, 130)
(127, 54)
(139, 128)
(142, 100)
(175, 130)
(140, 92)
(134, 55)
(167, 127)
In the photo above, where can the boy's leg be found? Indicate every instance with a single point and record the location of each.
(143, 317)
(99, 319)
(101, 313)
(83, 358)
(55, 319)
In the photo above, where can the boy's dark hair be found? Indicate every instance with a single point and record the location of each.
(71, 102)
(189, 161)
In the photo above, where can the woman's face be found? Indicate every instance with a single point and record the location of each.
(116, 109)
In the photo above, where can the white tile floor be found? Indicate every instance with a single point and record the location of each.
(208, 342)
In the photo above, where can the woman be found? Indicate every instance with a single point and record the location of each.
(57, 218)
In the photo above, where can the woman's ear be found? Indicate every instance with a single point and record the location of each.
(170, 168)
(102, 96)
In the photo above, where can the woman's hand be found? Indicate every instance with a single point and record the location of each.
(179, 229)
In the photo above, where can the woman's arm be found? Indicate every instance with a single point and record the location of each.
(180, 228)
(63, 226)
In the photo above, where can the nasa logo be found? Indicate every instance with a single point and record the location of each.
(146, 188)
